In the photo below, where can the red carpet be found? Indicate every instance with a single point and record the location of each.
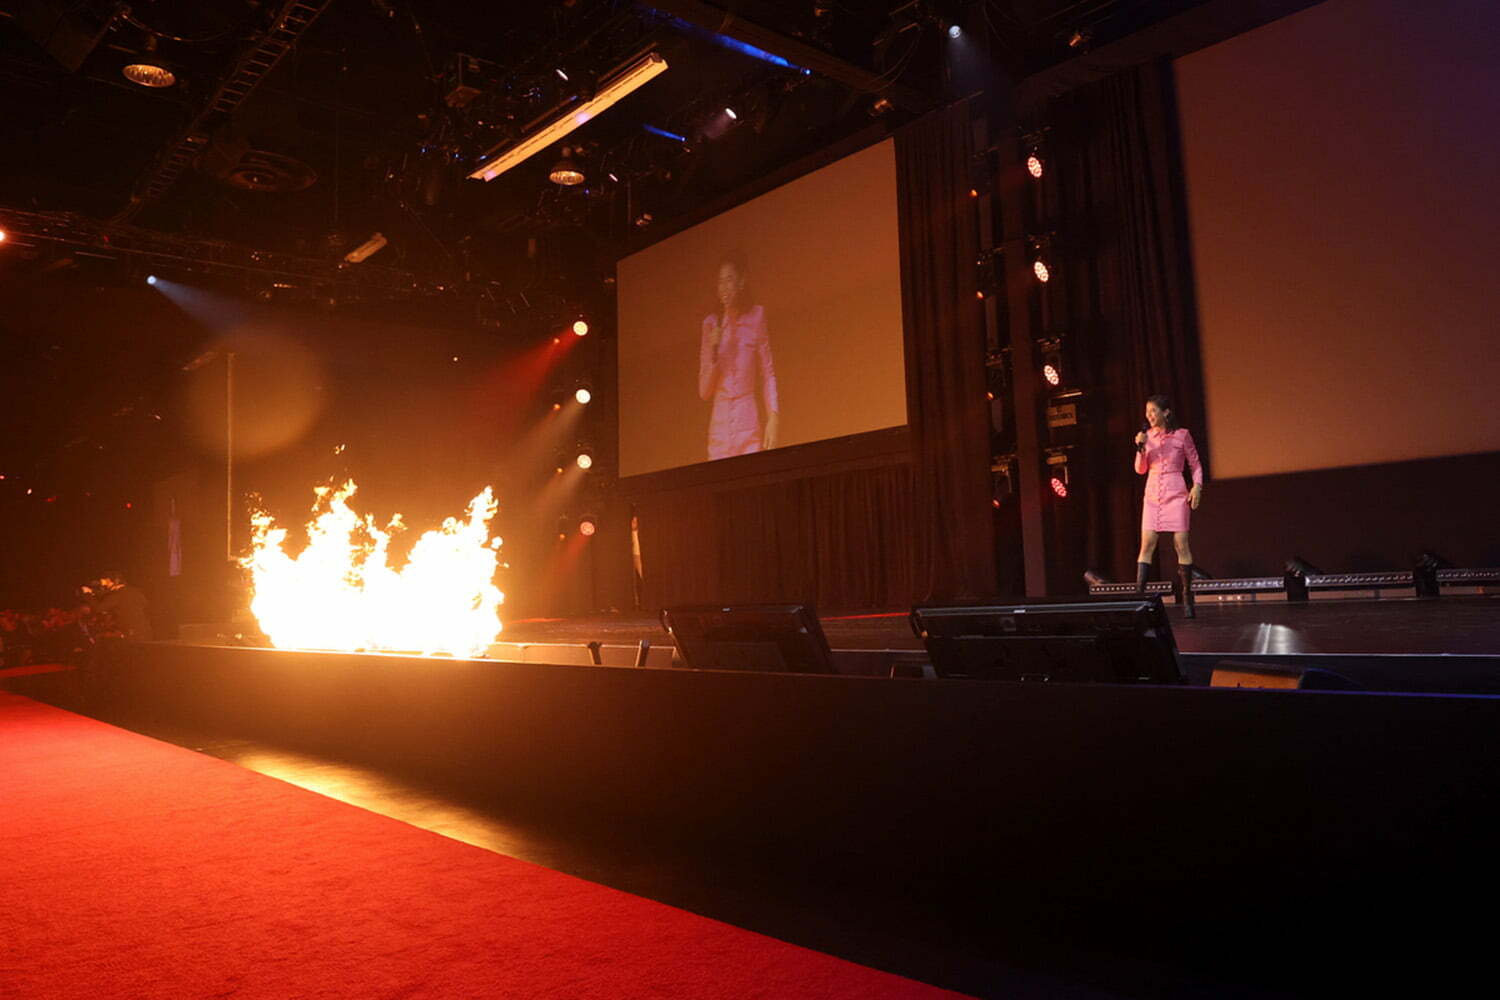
(33, 669)
(133, 868)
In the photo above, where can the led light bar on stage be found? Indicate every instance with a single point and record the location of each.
(611, 91)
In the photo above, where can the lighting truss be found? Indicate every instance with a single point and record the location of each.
(611, 91)
(85, 237)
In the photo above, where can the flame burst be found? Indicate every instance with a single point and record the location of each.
(342, 593)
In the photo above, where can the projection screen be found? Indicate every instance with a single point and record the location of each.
(776, 323)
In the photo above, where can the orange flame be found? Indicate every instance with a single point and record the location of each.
(341, 592)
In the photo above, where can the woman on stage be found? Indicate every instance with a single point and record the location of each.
(735, 353)
(1160, 452)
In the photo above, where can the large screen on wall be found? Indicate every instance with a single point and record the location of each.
(1342, 167)
(775, 323)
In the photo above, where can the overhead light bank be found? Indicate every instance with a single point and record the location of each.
(611, 91)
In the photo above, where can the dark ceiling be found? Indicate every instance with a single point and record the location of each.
(355, 130)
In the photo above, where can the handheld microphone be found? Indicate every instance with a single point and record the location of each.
(1145, 429)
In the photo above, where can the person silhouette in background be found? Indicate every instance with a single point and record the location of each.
(734, 355)
(125, 605)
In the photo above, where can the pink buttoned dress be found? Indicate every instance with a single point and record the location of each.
(728, 374)
(1166, 506)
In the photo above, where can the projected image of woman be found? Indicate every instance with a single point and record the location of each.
(1161, 451)
(734, 366)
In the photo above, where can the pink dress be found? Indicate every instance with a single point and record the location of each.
(728, 375)
(1166, 507)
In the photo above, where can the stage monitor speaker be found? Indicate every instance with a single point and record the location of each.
(774, 638)
(1250, 674)
(1062, 640)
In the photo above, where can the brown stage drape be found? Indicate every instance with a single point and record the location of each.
(953, 526)
(841, 541)
(1129, 308)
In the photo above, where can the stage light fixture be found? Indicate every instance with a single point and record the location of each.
(989, 268)
(145, 74)
(588, 525)
(1050, 352)
(1034, 165)
(1057, 465)
(583, 395)
(3, 235)
(1002, 479)
(151, 279)
(561, 75)
(566, 171)
(1297, 566)
(611, 90)
(580, 328)
(584, 460)
(366, 249)
(1039, 268)
(731, 113)
(954, 31)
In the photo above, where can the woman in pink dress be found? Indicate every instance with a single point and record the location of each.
(733, 355)
(1160, 453)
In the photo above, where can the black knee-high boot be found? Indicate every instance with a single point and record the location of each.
(1185, 578)
(1142, 570)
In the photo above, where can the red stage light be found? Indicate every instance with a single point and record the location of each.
(1059, 487)
(1034, 166)
(1051, 374)
(1040, 270)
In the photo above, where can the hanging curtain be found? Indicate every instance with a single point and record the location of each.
(952, 527)
(1129, 293)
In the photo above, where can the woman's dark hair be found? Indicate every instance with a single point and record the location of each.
(1164, 404)
(737, 259)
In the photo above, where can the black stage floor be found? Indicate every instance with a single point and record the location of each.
(1454, 625)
